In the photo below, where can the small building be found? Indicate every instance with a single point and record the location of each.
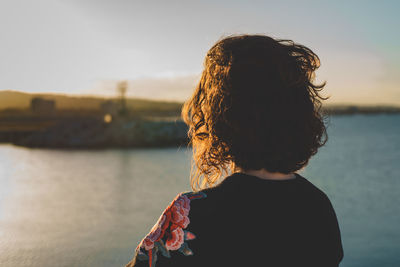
(43, 106)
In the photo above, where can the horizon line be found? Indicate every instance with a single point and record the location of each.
(105, 96)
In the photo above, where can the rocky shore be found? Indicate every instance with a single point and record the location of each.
(95, 133)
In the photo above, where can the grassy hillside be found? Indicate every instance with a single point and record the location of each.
(20, 100)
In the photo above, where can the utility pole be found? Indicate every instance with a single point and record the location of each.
(122, 87)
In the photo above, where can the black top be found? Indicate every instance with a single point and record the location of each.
(247, 221)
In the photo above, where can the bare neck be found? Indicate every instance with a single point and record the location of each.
(264, 174)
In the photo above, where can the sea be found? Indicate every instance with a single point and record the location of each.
(92, 207)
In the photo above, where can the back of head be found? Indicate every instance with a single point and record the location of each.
(255, 107)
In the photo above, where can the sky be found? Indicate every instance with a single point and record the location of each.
(87, 46)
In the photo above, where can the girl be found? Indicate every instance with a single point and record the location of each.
(254, 120)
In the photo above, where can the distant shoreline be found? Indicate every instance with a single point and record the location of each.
(353, 109)
(61, 121)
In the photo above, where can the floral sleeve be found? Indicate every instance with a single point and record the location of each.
(169, 233)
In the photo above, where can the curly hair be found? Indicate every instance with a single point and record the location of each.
(255, 107)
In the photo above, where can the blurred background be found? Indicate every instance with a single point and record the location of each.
(92, 148)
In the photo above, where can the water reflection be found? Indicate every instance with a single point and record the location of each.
(62, 208)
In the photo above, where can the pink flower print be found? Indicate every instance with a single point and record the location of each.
(179, 211)
(155, 233)
(176, 239)
(168, 234)
(189, 235)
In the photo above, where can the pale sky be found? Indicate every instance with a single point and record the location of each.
(85, 46)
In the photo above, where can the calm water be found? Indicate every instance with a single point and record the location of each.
(90, 208)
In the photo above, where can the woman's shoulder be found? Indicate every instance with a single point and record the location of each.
(313, 190)
(187, 217)
(170, 234)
